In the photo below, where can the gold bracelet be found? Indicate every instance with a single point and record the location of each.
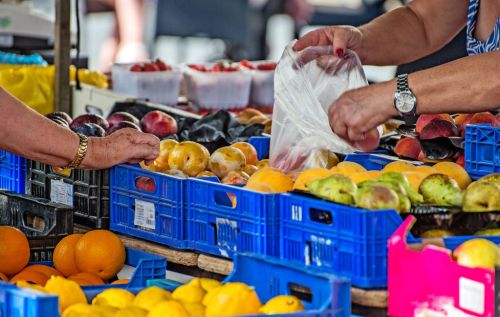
(80, 153)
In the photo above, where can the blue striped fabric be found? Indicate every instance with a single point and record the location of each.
(474, 46)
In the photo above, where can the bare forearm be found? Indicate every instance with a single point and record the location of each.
(129, 15)
(411, 32)
(470, 84)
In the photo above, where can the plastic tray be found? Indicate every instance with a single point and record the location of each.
(215, 227)
(224, 90)
(262, 88)
(261, 144)
(323, 295)
(87, 191)
(482, 150)
(162, 87)
(43, 222)
(12, 172)
(162, 216)
(21, 302)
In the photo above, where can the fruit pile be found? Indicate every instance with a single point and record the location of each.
(251, 116)
(87, 259)
(434, 129)
(157, 66)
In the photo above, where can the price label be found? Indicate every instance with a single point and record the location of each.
(144, 214)
(61, 192)
(471, 295)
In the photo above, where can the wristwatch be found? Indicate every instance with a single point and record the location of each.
(404, 99)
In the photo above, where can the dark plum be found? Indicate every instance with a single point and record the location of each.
(118, 117)
(89, 118)
(90, 129)
(122, 125)
(61, 115)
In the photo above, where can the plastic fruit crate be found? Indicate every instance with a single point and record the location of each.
(12, 172)
(43, 222)
(19, 302)
(155, 213)
(261, 144)
(161, 87)
(87, 191)
(482, 150)
(323, 295)
(216, 226)
(342, 239)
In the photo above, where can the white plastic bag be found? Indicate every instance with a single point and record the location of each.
(306, 84)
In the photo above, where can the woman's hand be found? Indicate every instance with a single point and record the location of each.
(358, 111)
(123, 146)
(341, 38)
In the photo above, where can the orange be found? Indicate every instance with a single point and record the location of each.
(121, 281)
(248, 150)
(415, 178)
(274, 178)
(363, 176)
(260, 187)
(3, 277)
(348, 168)
(455, 171)
(100, 252)
(32, 277)
(80, 281)
(64, 255)
(14, 250)
(44, 269)
(92, 278)
(310, 175)
(398, 166)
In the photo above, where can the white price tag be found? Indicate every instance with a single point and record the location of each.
(144, 214)
(471, 295)
(61, 192)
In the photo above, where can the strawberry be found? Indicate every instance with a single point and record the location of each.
(161, 65)
(199, 68)
(268, 66)
(137, 68)
(247, 64)
(151, 67)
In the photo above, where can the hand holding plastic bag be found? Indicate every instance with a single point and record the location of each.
(306, 84)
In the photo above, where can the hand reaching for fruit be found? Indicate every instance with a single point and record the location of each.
(123, 146)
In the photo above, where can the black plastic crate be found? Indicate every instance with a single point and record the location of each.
(87, 191)
(45, 223)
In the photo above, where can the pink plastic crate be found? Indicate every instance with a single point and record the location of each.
(430, 283)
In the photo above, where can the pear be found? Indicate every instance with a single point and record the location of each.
(415, 198)
(436, 233)
(478, 252)
(404, 202)
(488, 232)
(482, 196)
(377, 197)
(441, 190)
(492, 178)
(337, 188)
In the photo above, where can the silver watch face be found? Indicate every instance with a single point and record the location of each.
(405, 102)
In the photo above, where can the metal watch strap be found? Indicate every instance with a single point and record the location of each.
(402, 83)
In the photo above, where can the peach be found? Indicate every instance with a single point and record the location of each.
(248, 150)
(425, 119)
(478, 118)
(236, 178)
(460, 118)
(189, 157)
(438, 128)
(408, 147)
(225, 160)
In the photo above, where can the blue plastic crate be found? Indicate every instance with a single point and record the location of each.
(166, 202)
(12, 172)
(482, 150)
(215, 227)
(375, 160)
(261, 144)
(323, 295)
(22, 302)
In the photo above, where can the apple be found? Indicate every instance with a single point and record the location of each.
(236, 178)
(248, 150)
(122, 125)
(89, 118)
(145, 183)
(225, 160)
(480, 253)
(118, 117)
(159, 124)
(189, 157)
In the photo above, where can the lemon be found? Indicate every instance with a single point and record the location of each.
(191, 292)
(194, 309)
(69, 292)
(131, 311)
(232, 299)
(114, 297)
(208, 283)
(149, 297)
(35, 287)
(169, 308)
(283, 304)
(81, 310)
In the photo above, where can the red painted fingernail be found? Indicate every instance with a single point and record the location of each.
(339, 52)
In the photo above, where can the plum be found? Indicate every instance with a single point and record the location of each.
(122, 125)
(159, 124)
(90, 129)
(89, 118)
(118, 117)
(60, 122)
(61, 115)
